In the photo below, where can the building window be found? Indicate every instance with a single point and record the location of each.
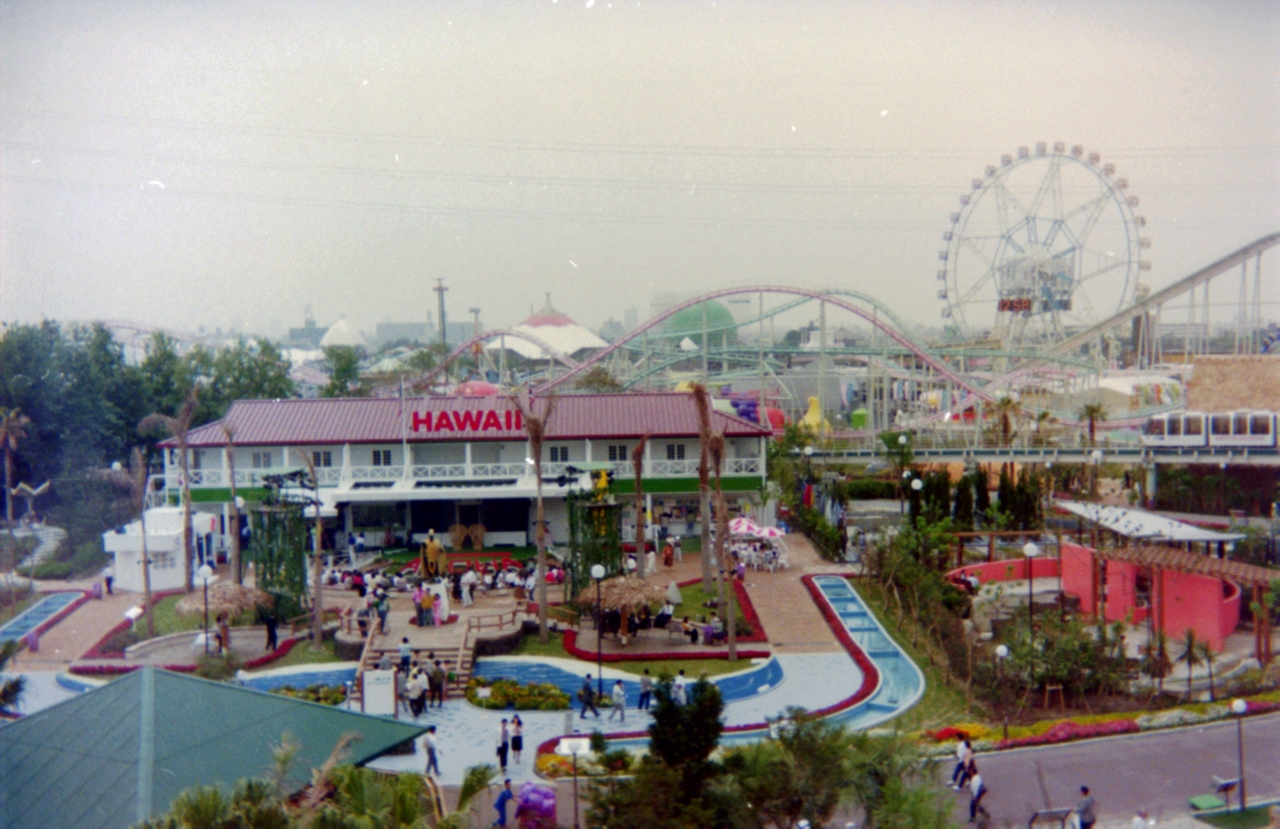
(262, 460)
(618, 452)
(324, 458)
(675, 451)
(559, 454)
(381, 457)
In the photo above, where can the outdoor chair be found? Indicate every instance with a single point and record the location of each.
(477, 531)
(457, 534)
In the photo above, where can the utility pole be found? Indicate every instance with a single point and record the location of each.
(440, 289)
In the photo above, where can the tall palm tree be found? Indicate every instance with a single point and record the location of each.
(637, 464)
(317, 565)
(12, 430)
(137, 482)
(1206, 654)
(716, 451)
(178, 427)
(703, 402)
(1190, 655)
(535, 427)
(1007, 410)
(1092, 414)
(230, 432)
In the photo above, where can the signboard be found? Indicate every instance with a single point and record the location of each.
(474, 420)
(379, 696)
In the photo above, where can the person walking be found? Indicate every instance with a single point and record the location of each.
(504, 746)
(588, 697)
(504, 797)
(964, 753)
(272, 630)
(646, 691)
(679, 689)
(619, 697)
(109, 578)
(1086, 809)
(383, 608)
(679, 548)
(977, 791)
(433, 751)
(416, 692)
(405, 650)
(419, 611)
(436, 679)
(517, 737)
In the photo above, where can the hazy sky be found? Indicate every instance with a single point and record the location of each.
(198, 163)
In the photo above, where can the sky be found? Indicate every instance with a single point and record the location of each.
(196, 164)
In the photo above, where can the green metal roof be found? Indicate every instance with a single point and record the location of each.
(119, 754)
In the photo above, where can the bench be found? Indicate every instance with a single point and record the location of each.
(674, 629)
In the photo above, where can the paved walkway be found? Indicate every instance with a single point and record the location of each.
(789, 615)
(68, 639)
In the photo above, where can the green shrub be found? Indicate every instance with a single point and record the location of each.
(67, 563)
(218, 667)
(869, 489)
(323, 694)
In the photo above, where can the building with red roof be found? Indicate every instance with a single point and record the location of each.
(420, 464)
(553, 328)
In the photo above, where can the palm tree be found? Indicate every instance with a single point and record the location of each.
(317, 567)
(230, 432)
(178, 428)
(476, 780)
(1007, 409)
(137, 482)
(716, 451)
(1190, 655)
(637, 464)
(1092, 414)
(12, 430)
(535, 427)
(1206, 654)
(703, 402)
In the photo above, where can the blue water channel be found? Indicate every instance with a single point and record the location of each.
(36, 615)
(901, 681)
(733, 687)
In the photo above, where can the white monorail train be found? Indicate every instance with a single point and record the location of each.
(1198, 429)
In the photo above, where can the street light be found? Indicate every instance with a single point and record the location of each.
(1030, 550)
(205, 573)
(808, 461)
(1239, 707)
(597, 573)
(1002, 653)
(572, 747)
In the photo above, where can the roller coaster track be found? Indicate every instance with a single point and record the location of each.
(425, 380)
(1160, 297)
(879, 317)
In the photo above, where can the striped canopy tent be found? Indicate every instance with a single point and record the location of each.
(744, 526)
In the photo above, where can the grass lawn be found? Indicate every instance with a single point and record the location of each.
(694, 596)
(1258, 816)
(303, 654)
(403, 557)
(691, 667)
(8, 611)
(169, 621)
(942, 704)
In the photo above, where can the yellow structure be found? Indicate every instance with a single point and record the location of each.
(813, 419)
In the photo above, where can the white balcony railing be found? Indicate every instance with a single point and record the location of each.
(376, 473)
(742, 466)
(498, 470)
(438, 472)
(678, 468)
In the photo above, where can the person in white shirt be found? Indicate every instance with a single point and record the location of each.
(433, 751)
(679, 691)
(651, 563)
(469, 580)
(619, 696)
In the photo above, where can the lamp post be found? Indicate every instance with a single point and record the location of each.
(902, 499)
(1030, 550)
(917, 484)
(205, 573)
(572, 747)
(1239, 707)
(597, 573)
(1002, 653)
(808, 461)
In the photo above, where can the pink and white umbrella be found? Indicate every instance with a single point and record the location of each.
(744, 526)
(768, 532)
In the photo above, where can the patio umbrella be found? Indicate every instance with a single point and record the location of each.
(233, 599)
(769, 532)
(743, 526)
(622, 593)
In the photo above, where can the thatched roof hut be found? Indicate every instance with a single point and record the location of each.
(224, 597)
(622, 593)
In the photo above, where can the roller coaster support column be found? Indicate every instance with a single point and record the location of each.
(822, 363)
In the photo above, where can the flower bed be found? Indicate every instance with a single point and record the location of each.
(117, 668)
(322, 694)
(267, 658)
(507, 693)
(1067, 731)
(571, 645)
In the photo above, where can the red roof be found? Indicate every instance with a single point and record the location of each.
(542, 319)
(377, 420)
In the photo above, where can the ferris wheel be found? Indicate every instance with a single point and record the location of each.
(1046, 243)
